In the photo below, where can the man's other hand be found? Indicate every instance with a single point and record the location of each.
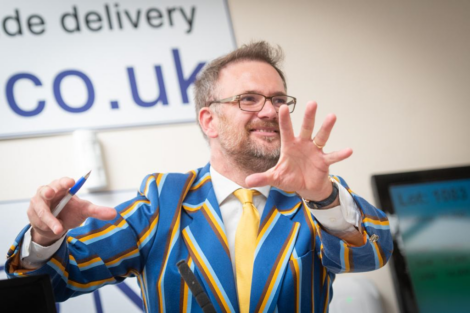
(46, 228)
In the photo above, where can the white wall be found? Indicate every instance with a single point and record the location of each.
(397, 74)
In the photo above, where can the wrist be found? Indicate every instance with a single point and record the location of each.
(320, 192)
(330, 201)
(43, 240)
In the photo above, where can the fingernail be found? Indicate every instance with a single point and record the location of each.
(55, 229)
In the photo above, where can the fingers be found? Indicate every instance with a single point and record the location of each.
(40, 225)
(55, 189)
(46, 192)
(323, 134)
(61, 186)
(338, 156)
(309, 121)
(285, 124)
(39, 211)
(40, 216)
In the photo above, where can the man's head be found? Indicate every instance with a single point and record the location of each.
(251, 140)
(205, 85)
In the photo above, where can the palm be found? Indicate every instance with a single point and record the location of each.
(302, 167)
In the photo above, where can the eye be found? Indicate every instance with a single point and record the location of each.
(248, 99)
(279, 100)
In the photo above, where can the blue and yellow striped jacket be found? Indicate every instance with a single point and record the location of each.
(176, 216)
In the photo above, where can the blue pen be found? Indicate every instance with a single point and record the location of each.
(70, 194)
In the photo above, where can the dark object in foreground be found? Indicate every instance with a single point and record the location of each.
(195, 287)
(27, 294)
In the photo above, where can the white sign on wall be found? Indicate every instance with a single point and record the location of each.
(66, 64)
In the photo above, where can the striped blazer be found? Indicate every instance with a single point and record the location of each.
(176, 216)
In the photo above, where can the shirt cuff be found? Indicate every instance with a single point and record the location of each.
(34, 255)
(342, 218)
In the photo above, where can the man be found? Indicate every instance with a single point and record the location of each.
(277, 248)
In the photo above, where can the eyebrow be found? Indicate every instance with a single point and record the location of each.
(277, 93)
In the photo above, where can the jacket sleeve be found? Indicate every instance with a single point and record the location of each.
(339, 256)
(98, 252)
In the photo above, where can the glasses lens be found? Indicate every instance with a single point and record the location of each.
(251, 102)
(284, 100)
(254, 102)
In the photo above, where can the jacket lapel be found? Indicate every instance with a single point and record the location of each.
(206, 241)
(275, 242)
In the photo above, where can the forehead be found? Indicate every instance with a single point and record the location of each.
(243, 76)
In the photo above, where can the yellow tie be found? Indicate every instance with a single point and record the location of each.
(245, 245)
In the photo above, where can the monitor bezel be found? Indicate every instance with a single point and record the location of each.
(22, 286)
(381, 184)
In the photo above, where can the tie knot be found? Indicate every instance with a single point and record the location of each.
(245, 195)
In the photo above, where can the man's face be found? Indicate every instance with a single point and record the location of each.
(251, 139)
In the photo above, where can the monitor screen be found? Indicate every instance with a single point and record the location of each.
(430, 213)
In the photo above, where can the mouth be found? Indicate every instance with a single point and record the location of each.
(265, 132)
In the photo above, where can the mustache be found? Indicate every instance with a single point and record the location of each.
(263, 124)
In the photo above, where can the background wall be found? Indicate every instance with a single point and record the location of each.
(397, 74)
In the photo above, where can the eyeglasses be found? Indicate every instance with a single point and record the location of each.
(253, 102)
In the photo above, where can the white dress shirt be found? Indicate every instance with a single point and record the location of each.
(342, 218)
(337, 220)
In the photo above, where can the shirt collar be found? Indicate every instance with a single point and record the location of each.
(224, 187)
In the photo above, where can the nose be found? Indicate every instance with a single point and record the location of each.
(268, 111)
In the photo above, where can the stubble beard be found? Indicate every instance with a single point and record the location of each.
(244, 151)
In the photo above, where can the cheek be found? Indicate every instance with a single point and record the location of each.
(234, 120)
(241, 122)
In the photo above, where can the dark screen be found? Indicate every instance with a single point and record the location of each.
(434, 223)
(429, 215)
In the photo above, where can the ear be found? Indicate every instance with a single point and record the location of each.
(208, 122)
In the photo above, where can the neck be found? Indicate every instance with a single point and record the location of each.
(226, 166)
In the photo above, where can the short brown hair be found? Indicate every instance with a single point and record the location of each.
(204, 86)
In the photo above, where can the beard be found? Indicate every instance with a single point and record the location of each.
(246, 152)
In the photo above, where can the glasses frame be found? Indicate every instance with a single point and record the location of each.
(237, 99)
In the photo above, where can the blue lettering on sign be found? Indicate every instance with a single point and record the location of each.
(161, 87)
(185, 83)
(58, 94)
(11, 98)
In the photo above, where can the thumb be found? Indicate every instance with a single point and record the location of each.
(101, 212)
(258, 180)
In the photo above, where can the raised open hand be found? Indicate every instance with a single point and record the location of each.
(303, 167)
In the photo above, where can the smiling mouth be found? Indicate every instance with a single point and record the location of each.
(265, 128)
(265, 132)
(261, 130)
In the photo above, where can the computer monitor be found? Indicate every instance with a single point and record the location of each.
(429, 214)
(27, 294)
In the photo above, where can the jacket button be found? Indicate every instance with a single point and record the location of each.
(374, 238)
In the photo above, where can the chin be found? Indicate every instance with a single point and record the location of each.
(265, 150)
(270, 139)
